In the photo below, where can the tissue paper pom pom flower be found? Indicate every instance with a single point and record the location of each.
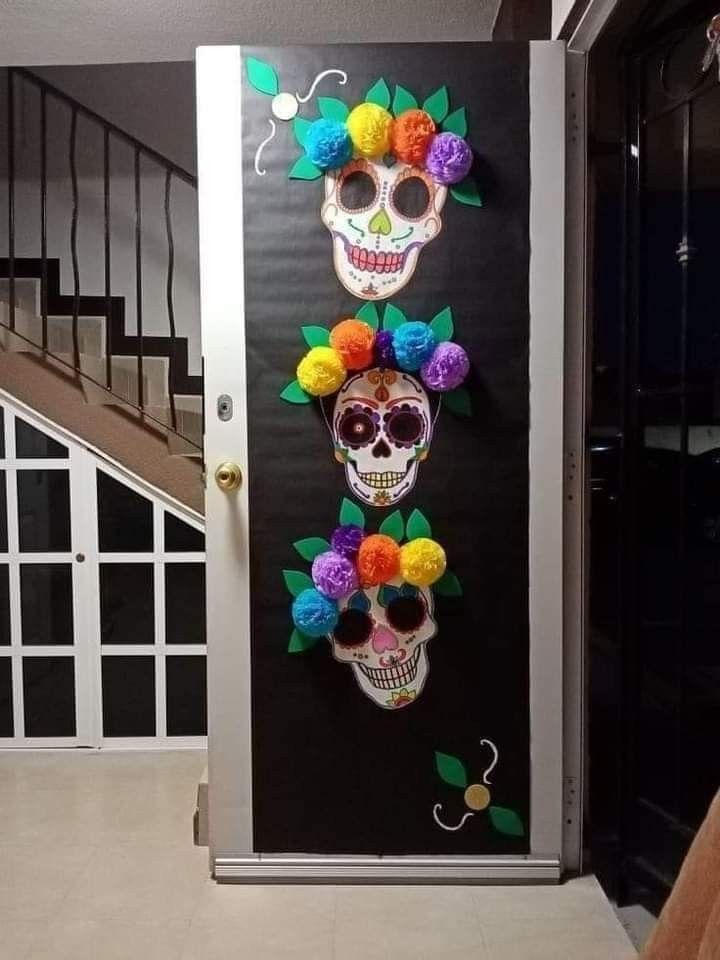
(422, 562)
(321, 371)
(449, 158)
(413, 343)
(370, 128)
(346, 540)
(328, 144)
(412, 132)
(384, 350)
(447, 367)
(378, 559)
(313, 614)
(334, 575)
(353, 340)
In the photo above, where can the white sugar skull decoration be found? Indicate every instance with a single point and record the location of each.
(381, 428)
(381, 416)
(388, 166)
(371, 597)
(380, 217)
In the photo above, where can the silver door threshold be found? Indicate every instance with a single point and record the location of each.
(439, 869)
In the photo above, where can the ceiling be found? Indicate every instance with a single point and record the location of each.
(35, 32)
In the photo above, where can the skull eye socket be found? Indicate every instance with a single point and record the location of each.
(353, 628)
(406, 614)
(357, 427)
(405, 426)
(358, 187)
(411, 196)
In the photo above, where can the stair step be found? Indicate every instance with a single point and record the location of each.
(125, 382)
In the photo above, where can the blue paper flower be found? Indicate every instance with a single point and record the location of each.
(328, 144)
(313, 614)
(414, 343)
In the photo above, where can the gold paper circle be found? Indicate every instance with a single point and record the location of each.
(477, 797)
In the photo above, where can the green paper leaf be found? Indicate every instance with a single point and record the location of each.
(351, 513)
(296, 581)
(316, 336)
(333, 109)
(467, 192)
(311, 547)
(448, 585)
(438, 104)
(442, 325)
(403, 100)
(451, 770)
(304, 169)
(393, 317)
(294, 393)
(506, 821)
(418, 525)
(393, 526)
(262, 76)
(379, 93)
(456, 122)
(300, 129)
(458, 401)
(369, 313)
(300, 642)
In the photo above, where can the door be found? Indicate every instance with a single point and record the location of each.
(382, 309)
(102, 599)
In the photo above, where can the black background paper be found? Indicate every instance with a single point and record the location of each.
(333, 772)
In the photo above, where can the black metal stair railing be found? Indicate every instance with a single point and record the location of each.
(140, 346)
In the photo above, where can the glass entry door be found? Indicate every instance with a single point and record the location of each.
(102, 600)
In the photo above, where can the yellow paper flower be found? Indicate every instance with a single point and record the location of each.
(321, 371)
(370, 128)
(422, 562)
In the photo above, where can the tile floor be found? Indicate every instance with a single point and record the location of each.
(97, 863)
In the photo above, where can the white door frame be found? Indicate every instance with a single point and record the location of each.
(87, 651)
(219, 111)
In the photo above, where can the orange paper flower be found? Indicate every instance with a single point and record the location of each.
(353, 340)
(378, 559)
(412, 132)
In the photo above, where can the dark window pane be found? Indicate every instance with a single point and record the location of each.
(181, 536)
(6, 698)
(2, 433)
(127, 612)
(186, 696)
(4, 605)
(124, 517)
(46, 603)
(3, 514)
(44, 510)
(49, 693)
(32, 444)
(185, 603)
(128, 690)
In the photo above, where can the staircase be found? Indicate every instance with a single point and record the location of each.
(81, 335)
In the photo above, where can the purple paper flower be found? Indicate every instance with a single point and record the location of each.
(384, 350)
(334, 575)
(346, 540)
(447, 367)
(449, 158)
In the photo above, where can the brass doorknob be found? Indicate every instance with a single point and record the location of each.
(228, 476)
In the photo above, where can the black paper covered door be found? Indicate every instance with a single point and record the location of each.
(386, 199)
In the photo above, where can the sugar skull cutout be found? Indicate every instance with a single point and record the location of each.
(383, 633)
(371, 596)
(380, 217)
(381, 427)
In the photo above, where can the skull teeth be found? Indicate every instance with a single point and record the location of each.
(373, 262)
(381, 481)
(397, 676)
